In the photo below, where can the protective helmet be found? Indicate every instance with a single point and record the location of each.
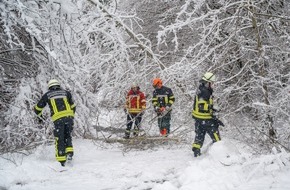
(209, 77)
(53, 82)
(157, 82)
(133, 85)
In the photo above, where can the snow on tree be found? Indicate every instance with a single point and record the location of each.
(97, 50)
(246, 44)
(82, 46)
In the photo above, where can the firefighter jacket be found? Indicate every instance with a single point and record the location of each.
(203, 103)
(163, 97)
(135, 101)
(60, 103)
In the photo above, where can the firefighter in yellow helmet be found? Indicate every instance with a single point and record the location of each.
(203, 113)
(162, 101)
(62, 109)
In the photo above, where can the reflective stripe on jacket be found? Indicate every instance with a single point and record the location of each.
(60, 103)
(202, 109)
(135, 101)
(163, 97)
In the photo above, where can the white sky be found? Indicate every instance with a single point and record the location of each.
(224, 166)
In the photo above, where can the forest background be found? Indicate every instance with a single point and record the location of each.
(98, 48)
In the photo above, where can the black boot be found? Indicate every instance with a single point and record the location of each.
(62, 163)
(136, 133)
(69, 156)
(196, 152)
(127, 134)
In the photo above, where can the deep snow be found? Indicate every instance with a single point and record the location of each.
(225, 165)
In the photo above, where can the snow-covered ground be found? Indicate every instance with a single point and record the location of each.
(225, 165)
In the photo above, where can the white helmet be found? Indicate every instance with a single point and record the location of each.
(209, 77)
(134, 85)
(53, 82)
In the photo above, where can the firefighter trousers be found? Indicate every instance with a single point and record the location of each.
(136, 119)
(164, 124)
(63, 140)
(203, 127)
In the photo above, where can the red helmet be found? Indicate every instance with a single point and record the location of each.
(157, 82)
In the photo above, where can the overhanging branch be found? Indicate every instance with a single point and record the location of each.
(131, 34)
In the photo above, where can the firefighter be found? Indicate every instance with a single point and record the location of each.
(203, 113)
(162, 101)
(62, 109)
(135, 107)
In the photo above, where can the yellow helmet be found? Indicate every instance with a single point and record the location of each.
(53, 82)
(209, 77)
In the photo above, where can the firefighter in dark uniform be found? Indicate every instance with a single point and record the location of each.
(62, 110)
(203, 113)
(162, 101)
(135, 107)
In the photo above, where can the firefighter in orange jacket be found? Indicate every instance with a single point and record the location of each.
(62, 110)
(135, 106)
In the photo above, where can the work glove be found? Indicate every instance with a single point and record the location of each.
(142, 112)
(215, 108)
(162, 109)
(159, 110)
(40, 119)
(167, 107)
(219, 122)
(156, 109)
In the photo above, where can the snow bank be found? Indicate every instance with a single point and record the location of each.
(224, 165)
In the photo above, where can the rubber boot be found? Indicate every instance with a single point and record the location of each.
(196, 152)
(163, 132)
(136, 132)
(127, 135)
(62, 163)
(69, 156)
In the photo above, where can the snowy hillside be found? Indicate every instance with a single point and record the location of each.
(225, 165)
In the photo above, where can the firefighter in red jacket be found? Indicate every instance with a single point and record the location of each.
(62, 109)
(135, 106)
